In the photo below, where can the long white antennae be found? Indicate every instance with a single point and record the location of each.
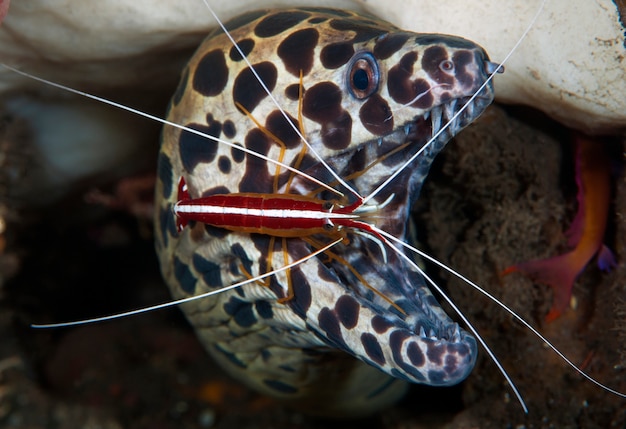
(456, 115)
(173, 124)
(456, 309)
(271, 96)
(188, 299)
(498, 302)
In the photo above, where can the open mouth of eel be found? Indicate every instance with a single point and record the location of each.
(415, 314)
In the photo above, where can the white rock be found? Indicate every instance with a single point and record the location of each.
(571, 65)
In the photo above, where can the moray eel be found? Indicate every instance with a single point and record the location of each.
(372, 95)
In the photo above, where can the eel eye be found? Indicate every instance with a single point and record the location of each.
(364, 75)
(446, 66)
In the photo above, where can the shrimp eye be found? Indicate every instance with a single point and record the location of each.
(328, 206)
(363, 75)
(446, 66)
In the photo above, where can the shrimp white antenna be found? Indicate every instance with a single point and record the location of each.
(172, 124)
(271, 96)
(188, 299)
(492, 298)
(456, 115)
(456, 309)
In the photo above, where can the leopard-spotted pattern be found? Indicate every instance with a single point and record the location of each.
(368, 87)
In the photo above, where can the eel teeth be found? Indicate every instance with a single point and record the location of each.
(422, 332)
(469, 110)
(436, 113)
(449, 109)
(451, 333)
(456, 334)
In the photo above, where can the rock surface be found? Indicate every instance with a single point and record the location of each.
(572, 64)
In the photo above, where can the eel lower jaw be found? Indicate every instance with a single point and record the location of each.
(425, 345)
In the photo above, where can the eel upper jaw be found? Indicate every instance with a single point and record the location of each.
(440, 124)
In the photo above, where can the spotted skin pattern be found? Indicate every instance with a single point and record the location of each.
(368, 88)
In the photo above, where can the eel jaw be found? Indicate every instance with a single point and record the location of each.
(423, 345)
